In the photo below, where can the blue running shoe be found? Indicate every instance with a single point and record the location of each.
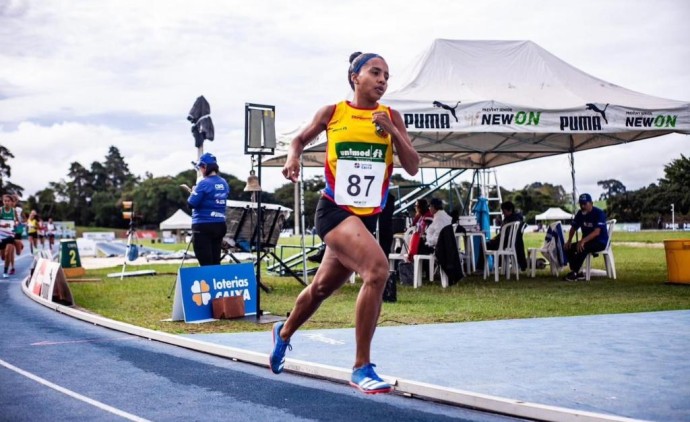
(365, 379)
(277, 358)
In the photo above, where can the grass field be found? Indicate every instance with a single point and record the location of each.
(640, 287)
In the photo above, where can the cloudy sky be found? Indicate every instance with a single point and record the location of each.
(79, 76)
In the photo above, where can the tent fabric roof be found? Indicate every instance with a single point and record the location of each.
(180, 220)
(482, 104)
(554, 214)
(518, 73)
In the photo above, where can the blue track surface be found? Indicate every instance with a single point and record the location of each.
(630, 365)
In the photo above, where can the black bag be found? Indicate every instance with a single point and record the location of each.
(406, 273)
(390, 292)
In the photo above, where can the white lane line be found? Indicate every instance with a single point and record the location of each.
(70, 393)
(92, 340)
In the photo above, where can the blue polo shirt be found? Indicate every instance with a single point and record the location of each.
(208, 201)
(590, 221)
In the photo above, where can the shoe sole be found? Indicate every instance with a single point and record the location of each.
(379, 391)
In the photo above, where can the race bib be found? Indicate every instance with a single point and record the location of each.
(360, 173)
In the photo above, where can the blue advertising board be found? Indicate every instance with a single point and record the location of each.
(197, 286)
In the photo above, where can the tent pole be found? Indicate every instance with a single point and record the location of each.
(301, 208)
(295, 200)
(572, 175)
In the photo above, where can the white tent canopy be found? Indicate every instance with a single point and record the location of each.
(554, 214)
(482, 104)
(180, 220)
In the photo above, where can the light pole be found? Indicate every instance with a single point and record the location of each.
(673, 217)
(259, 140)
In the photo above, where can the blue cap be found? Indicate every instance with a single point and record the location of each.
(205, 160)
(584, 198)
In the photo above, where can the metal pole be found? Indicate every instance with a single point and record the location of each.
(199, 153)
(130, 235)
(673, 217)
(301, 208)
(296, 201)
(259, 232)
(572, 176)
(191, 239)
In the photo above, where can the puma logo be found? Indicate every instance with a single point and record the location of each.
(594, 108)
(449, 108)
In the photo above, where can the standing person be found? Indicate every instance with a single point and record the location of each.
(50, 232)
(361, 136)
(592, 221)
(208, 202)
(32, 230)
(19, 225)
(8, 221)
(386, 225)
(7, 250)
(41, 232)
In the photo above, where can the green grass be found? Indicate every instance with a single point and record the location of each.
(640, 287)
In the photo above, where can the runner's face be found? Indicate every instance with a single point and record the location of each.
(372, 80)
(6, 202)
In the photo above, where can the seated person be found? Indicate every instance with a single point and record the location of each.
(440, 237)
(441, 220)
(422, 216)
(421, 220)
(509, 216)
(592, 221)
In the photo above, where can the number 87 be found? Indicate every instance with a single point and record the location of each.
(353, 188)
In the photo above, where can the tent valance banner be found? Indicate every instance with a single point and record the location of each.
(483, 104)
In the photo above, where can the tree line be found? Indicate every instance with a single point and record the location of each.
(93, 196)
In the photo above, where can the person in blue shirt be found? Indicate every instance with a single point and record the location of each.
(208, 202)
(592, 221)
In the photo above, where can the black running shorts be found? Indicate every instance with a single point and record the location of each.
(329, 215)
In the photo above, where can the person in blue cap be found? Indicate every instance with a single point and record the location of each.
(208, 201)
(592, 221)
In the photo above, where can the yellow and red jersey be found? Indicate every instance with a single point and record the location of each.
(359, 160)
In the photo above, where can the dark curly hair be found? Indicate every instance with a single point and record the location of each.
(357, 60)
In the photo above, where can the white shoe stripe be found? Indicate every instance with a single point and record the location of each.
(372, 384)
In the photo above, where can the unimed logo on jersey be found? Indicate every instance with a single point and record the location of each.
(358, 151)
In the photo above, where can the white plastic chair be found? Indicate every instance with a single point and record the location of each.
(607, 253)
(417, 281)
(404, 248)
(505, 257)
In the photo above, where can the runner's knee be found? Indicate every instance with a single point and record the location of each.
(375, 275)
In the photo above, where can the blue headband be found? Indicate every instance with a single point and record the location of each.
(365, 58)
